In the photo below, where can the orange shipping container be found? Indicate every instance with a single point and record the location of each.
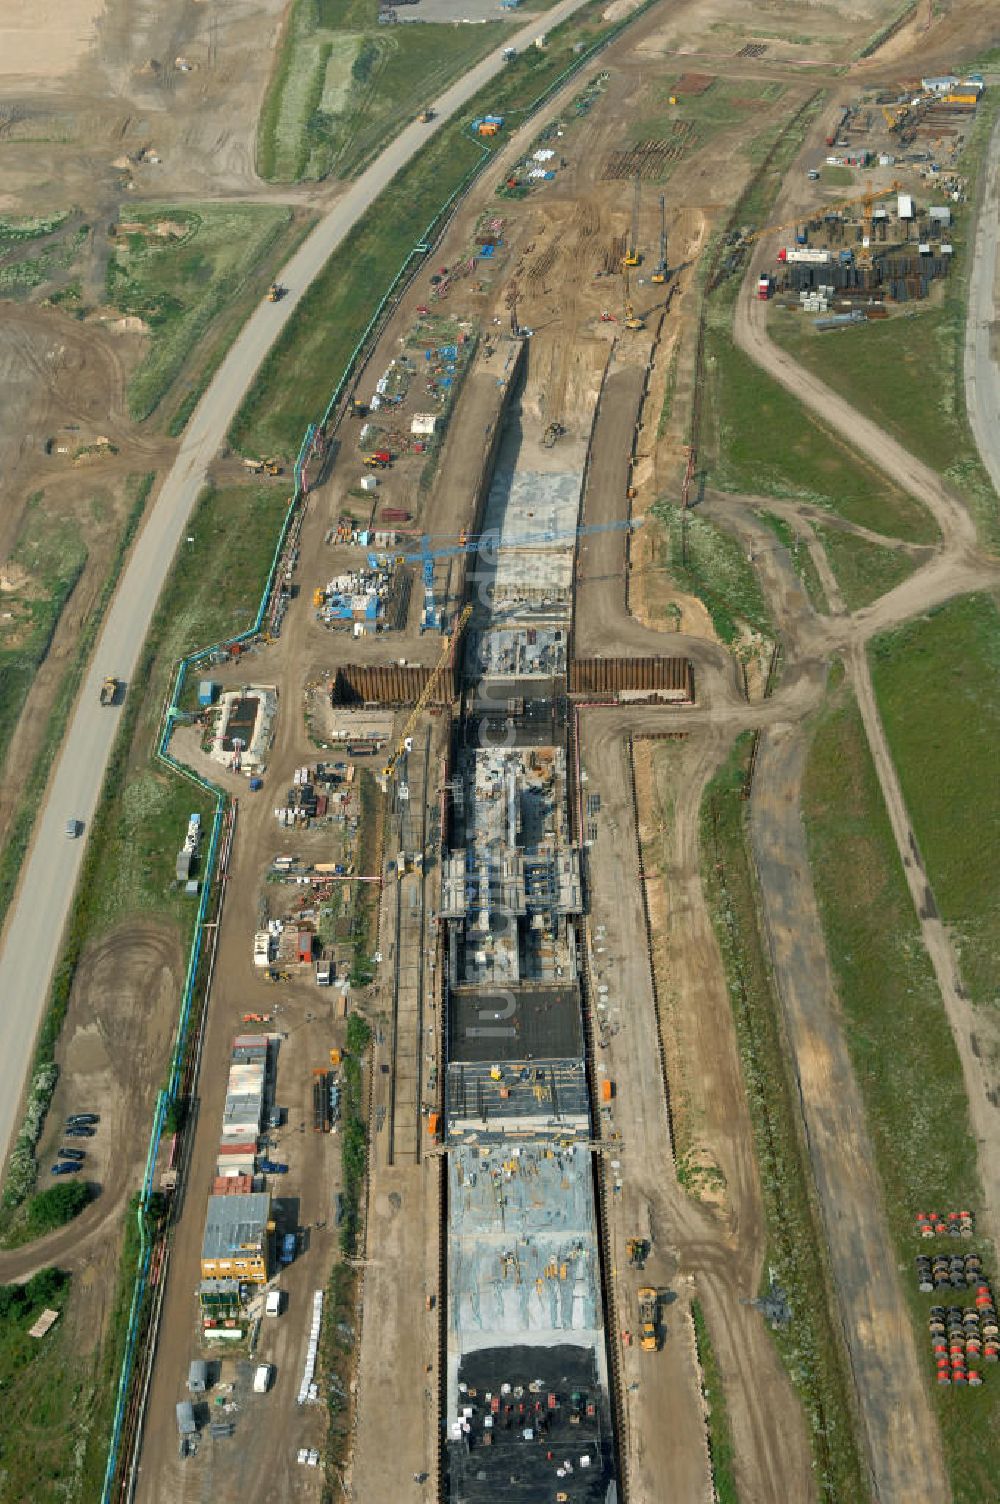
(607, 1091)
(433, 1122)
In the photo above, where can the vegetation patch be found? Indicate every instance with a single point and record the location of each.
(36, 581)
(801, 559)
(811, 1347)
(60, 252)
(937, 680)
(176, 273)
(761, 439)
(721, 1451)
(53, 1208)
(711, 565)
(19, 831)
(901, 1047)
(864, 570)
(353, 1139)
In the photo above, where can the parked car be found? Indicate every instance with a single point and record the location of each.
(73, 828)
(67, 1167)
(77, 1130)
(270, 1167)
(83, 1117)
(77, 1154)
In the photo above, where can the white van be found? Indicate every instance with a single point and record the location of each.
(272, 1306)
(262, 1378)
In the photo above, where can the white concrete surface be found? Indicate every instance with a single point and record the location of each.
(31, 940)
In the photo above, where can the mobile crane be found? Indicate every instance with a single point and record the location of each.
(660, 274)
(631, 319)
(632, 257)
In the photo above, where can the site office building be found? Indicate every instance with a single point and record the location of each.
(238, 1234)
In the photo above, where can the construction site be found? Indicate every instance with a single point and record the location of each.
(478, 1190)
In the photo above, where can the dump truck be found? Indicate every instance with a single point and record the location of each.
(378, 460)
(425, 117)
(647, 1319)
(109, 690)
(276, 292)
(638, 1252)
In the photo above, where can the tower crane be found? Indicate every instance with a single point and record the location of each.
(660, 274)
(527, 540)
(821, 209)
(404, 743)
(867, 216)
(632, 257)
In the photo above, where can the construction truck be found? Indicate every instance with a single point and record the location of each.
(379, 460)
(276, 292)
(425, 117)
(273, 467)
(647, 1319)
(109, 690)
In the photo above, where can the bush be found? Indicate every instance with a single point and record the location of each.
(55, 1207)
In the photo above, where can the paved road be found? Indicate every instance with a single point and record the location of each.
(31, 940)
(982, 373)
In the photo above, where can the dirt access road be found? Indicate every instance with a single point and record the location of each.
(28, 956)
(982, 373)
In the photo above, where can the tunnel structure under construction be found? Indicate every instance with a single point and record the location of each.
(528, 1405)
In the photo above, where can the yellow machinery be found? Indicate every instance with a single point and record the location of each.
(660, 275)
(632, 257)
(275, 292)
(647, 1319)
(632, 320)
(821, 209)
(867, 217)
(425, 695)
(109, 690)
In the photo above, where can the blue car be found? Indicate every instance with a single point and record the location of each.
(77, 1154)
(67, 1167)
(78, 1130)
(268, 1167)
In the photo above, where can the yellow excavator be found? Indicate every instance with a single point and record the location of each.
(403, 745)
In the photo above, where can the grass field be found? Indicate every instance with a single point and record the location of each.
(864, 570)
(720, 1438)
(22, 824)
(901, 1047)
(44, 566)
(811, 1347)
(178, 283)
(343, 85)
(25, 265)
(760, 439)
(710, 564)
(937, 680)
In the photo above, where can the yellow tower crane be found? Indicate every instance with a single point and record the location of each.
(403, 745)
(867, 218)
